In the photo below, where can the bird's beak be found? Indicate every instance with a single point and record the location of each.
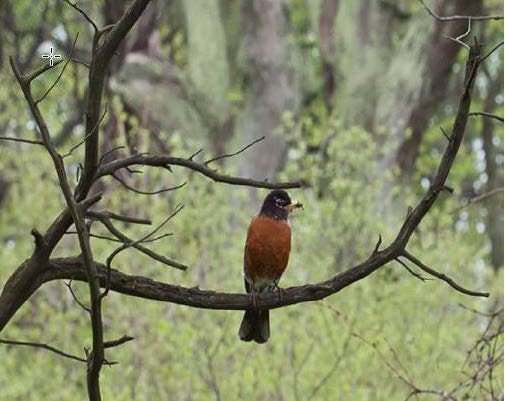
(293, 205)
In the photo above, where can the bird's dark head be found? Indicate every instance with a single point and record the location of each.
(278, 205)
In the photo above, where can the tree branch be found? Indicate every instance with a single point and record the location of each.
(76, 214)
(443, 277)
(460, 17)
(114, 231)
(102, 55)
(43, 346)
(14, 139)
(164, 161)
(484, 114)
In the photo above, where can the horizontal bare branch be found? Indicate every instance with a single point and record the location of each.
(119, 341)
(484, 114)
(22, 140)
(165, 161)
(117, 233)
(120, 217)
(460, 17)
(43, 346)
(139, 191)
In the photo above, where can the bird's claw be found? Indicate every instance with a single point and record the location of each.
(254, 299)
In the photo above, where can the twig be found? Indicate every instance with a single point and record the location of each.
(73, 148)
(417, 275)
(443, 277)
(120, 217)
(83, 14)
(491, 52)
(109, 152)
(445, 134)
(480, 313)
(195, 154)
(119, 341)
(138, 191)
(60, 74)
(82, 62)
(114, 231)
(43, 346)
(484, 114)
(164, 161)
(69, 286)
(29, 78)
(97, 236)
(10, 138)
(460, 17)
(478, 199)
(463, 35)
(127, 245)
(377, 245)
(234, 153)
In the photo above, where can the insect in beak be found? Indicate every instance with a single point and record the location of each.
(293, 205)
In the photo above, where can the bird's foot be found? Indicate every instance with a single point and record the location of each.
(279, 291)
(254, 298)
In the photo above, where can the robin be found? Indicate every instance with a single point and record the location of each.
(266, 256)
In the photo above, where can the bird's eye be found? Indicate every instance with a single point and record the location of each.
(278, 202)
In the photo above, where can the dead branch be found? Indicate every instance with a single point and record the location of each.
(443, 277)
(484, 114)
(119, 341)
(479, 198)
(230, 154)
(127, 245)
(416, 275)
(74, 296)
(86, 16)
(73, 148)
(123, 238)
(165, 161)
(22, 140)
(43, 346)
(460, 17)
(120, 217)
(139, 191)
(48, 91)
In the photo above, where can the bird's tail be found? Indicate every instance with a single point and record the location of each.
(255, 326)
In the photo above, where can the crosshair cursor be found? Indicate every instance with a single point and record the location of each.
(51, 56)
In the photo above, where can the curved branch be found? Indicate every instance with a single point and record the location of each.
(164, 161)
(143, 287)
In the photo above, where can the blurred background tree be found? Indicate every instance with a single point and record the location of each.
(351, 96)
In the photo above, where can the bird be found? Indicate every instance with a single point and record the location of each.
(266, 255)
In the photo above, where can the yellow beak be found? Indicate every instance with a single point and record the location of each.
(292, 206)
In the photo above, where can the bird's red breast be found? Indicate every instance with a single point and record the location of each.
(267, 249)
